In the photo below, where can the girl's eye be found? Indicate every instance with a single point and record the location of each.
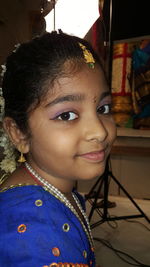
(67, 116)
(105, 109)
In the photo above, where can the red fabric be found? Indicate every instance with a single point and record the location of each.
(124, 57)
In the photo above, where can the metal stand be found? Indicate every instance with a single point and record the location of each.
(104, 181)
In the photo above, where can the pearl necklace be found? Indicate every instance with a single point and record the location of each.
(55, 192)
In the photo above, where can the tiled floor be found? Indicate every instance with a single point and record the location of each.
(128, 236)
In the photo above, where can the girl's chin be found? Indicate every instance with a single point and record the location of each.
(94, 170)
(93, 176)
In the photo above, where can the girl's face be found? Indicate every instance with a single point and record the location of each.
(72, 131)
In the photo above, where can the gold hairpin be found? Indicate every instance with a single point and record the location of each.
(87, 56)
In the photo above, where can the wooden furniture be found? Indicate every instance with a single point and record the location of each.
(132, 142)
(130, 160)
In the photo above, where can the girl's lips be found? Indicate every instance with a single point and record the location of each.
(96, 156)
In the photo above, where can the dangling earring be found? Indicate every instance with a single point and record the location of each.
(21, 158)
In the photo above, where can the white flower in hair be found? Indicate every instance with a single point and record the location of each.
(8, 164)
(1, 108)
(16, 47)
(2, 104)
(1, 91)
(3, 70)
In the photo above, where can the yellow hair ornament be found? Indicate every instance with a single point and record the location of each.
(87, 56)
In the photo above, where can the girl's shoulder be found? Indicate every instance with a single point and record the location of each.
(16, 190)
(28, 201)
(28, 205)
(18, 177)
(38, 222)
(24, 197)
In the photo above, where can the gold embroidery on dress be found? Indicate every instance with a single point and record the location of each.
(14, 186)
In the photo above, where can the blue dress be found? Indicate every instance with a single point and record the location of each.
(38, 230)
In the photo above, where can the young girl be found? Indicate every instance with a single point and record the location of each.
(57, 114)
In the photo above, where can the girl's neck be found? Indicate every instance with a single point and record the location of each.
(65, 186)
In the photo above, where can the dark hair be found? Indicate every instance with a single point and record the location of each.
(33, 67)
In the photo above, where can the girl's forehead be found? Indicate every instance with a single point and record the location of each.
(81, 85)
(78, 74)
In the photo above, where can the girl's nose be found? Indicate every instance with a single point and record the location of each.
(96, 130)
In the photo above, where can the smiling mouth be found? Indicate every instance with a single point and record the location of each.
(97, 156)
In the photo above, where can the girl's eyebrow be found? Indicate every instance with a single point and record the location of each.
(74, 98)
(66, 98)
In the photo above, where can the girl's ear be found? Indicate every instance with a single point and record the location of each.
(17, 137)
